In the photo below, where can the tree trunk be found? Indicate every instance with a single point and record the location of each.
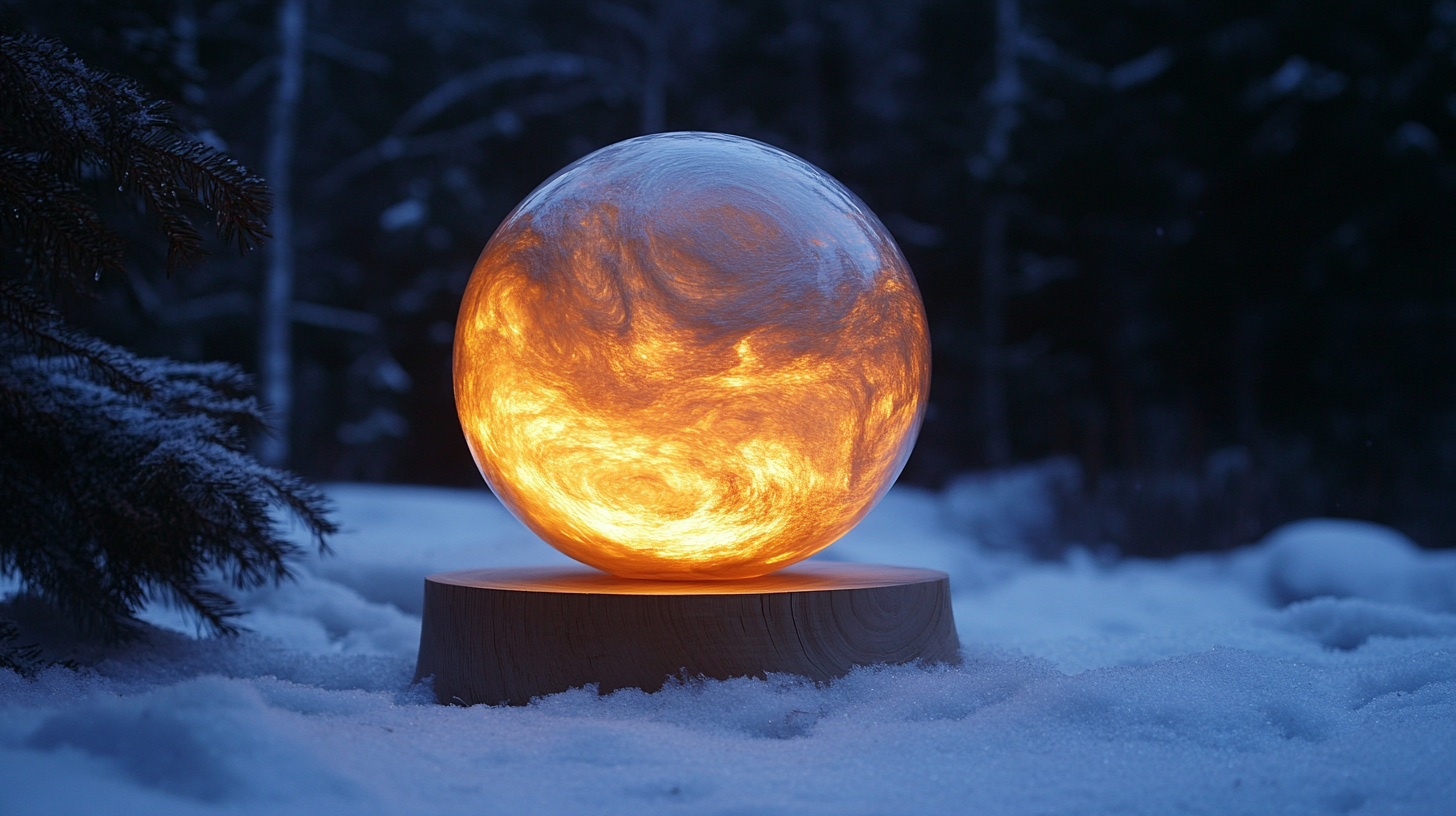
(1006, 95)
(276, 341)
(993, 333)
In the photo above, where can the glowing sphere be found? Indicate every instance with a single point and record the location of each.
(691, 356)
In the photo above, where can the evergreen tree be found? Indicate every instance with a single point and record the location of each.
(22, 659)
(122, 479)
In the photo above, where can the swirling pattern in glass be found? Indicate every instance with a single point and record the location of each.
(691, 356)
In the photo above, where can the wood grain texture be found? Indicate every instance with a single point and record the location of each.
(507, 635)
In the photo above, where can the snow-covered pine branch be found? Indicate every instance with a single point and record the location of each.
(122, 479)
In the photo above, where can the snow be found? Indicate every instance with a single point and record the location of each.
(1314, 672)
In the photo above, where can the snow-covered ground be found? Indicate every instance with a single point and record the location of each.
(1313, 673)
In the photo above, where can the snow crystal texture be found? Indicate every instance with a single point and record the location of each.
(1313, 673)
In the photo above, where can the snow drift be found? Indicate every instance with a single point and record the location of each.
(1312, 673)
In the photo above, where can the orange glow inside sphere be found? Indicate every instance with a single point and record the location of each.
(691, 356)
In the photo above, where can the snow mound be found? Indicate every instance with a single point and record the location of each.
(1016, 508)
(208, 739)
(1356, 559)
(1312, 673)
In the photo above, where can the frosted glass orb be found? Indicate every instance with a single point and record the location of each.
(691, 356)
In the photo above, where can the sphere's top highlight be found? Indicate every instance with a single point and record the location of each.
(691, 356)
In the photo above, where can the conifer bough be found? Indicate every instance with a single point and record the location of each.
(122, 479)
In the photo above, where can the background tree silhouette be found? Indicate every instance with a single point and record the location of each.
(1210, 273)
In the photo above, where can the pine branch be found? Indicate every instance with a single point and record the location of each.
(217, 182)
(25, 314)
(190, 505)
(123, 479)
(60, 118)
(55, 221)
(25, 660)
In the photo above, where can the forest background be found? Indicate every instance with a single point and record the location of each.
(1194, 258)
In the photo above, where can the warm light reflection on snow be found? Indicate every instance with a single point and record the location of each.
(691, 356)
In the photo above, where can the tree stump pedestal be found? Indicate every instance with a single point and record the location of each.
(507, 635)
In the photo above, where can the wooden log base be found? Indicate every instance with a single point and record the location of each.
(507, 635)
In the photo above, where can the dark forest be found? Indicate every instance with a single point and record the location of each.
(1200, 250)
